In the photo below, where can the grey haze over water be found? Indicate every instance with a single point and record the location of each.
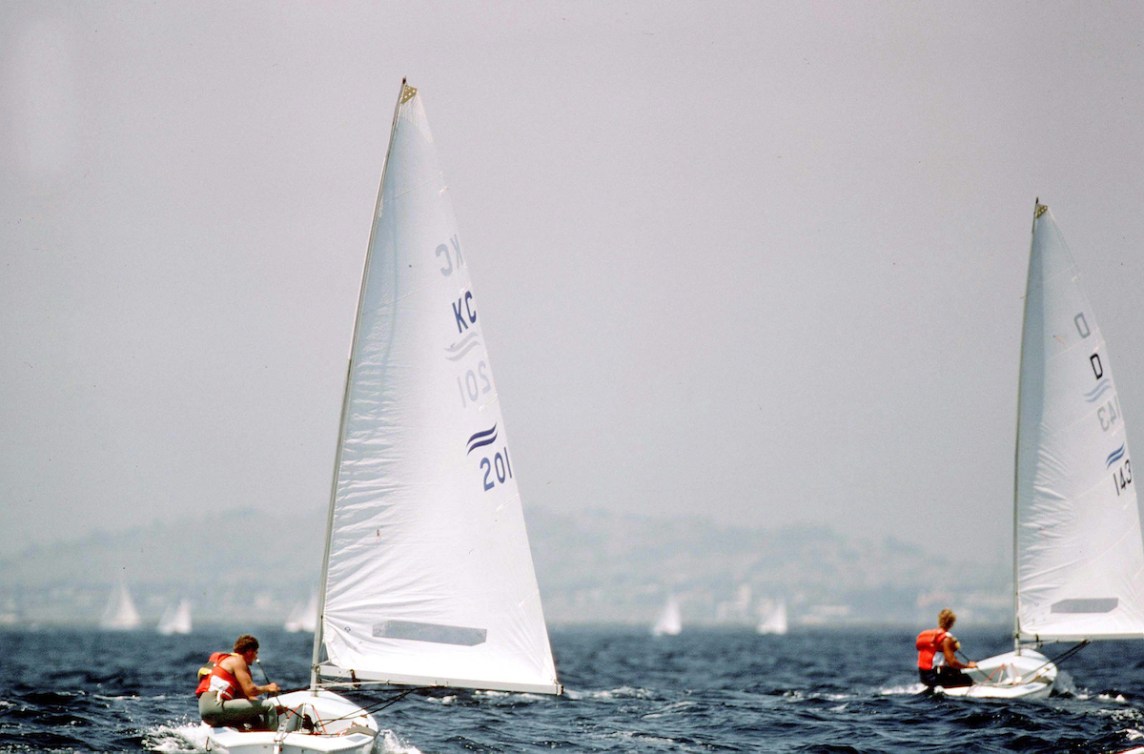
(593, 567)
(757, 262)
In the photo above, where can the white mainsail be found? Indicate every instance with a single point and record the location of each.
(428, 576)
(1078, 559)
(176, 619)
(670, 620)
(1079, 567)
(120, 613)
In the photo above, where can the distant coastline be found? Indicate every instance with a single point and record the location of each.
(594, 568)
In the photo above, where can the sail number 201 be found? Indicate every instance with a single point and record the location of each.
(496, 469)
(1122, 476)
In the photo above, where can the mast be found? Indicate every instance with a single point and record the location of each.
(1037, 211)
(407, 92)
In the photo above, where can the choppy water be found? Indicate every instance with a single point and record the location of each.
(702, 691)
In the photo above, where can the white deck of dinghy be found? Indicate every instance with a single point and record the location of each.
(1028, 675)
(340, 727)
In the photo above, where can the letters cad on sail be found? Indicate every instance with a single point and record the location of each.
(428, 577)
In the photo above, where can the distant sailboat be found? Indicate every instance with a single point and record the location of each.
(176, 619)
(670, 621)
(1078, 556)
(304, 616)
(774, 618)
(10, 613)
(120, 613)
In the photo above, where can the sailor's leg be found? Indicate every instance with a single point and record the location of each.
(952, 678)
(237, 711)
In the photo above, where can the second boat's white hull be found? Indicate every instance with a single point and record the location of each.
(339, 725)
(1028, 675)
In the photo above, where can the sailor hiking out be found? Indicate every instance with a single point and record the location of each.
(227, 693)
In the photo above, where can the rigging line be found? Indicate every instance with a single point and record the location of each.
(264, 673)
(1054, 660)
(266, 676)
(279, 734)
(990, 675)
(1070, 651)
(379, 706)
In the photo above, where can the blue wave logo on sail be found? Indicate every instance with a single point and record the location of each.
(457, 351)
(483, 438)
(1101, 388)
(1114, 456)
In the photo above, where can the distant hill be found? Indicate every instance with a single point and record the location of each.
(593, 567)
(68, 582)
(601, 567)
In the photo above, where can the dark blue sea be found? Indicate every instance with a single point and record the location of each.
(702, 691)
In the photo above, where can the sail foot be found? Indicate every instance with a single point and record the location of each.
(355, 677)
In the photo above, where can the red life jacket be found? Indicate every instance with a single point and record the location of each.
(212, 677)
(929, 644)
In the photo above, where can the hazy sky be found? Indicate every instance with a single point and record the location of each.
(758, 261)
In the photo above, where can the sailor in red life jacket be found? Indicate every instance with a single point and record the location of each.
(227, 693)
(937, 660)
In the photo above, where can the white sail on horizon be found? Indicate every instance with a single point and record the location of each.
(774, 618)
(303, 617)
(176, 619)
(120, 613)
(670, 620)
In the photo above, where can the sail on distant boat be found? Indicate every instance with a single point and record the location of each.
(176, 619)
(10, 613)
(304, 616)
(670, 620)
(120, 613)
(427, 577)
(774, 618)
(1078, 554)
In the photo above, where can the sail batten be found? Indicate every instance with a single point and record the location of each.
(428, 573)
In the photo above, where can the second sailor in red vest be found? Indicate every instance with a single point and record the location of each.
(228, 694)
(937, 655)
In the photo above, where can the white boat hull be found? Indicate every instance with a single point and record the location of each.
(340, 726)
(1028, 675)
